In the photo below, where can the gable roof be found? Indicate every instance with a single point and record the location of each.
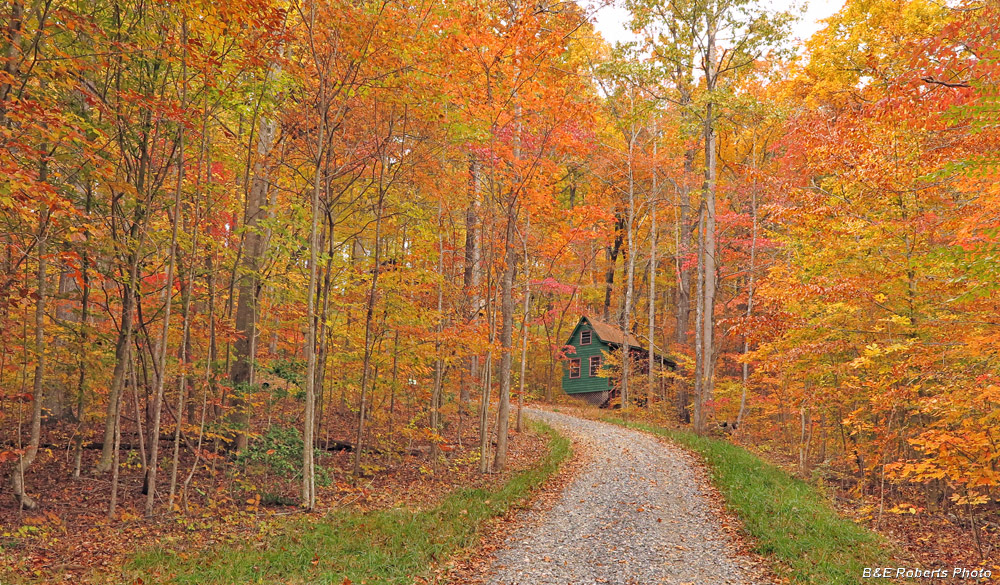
(612, 335)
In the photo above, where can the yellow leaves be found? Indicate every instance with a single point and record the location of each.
(122, 187)
(904, 508)
(898, 320)
(970, 499)
(920, 471)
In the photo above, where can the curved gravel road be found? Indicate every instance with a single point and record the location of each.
(635, 514)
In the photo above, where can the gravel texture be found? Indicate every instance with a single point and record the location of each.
(635, 514)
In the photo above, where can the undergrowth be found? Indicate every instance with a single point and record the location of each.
(382, 547)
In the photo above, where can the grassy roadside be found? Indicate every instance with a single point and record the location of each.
(387, 546)
(791, 523)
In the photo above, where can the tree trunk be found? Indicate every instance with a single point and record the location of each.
(57, 398)
(309, 422)
(484, 402)
(506, 338)
(12, 65)
(254, 245)
(438, 362)
(750, 281)
(484, 411)
(651, 365)
(805, 420)
(116, 469)
(369, 325)
(84, 346)
(138, 231)
(699, 318)
(323, 333)
(612, 253)
(526, 309)
(684, 233)
(38, 386)
(161, 374)
(709, 249)
(626, 317)
(472, 271)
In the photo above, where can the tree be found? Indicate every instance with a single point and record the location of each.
(684, 35)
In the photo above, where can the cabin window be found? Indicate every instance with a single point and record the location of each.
(595, 365)
(574, 368)
(586, 337)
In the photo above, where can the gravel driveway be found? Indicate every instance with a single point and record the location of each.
(635, 514)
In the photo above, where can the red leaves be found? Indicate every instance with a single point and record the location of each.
(551, 285)
(11, 455)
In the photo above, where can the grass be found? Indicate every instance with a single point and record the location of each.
(792, 524)
(388, 546)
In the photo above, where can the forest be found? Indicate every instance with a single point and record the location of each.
(233, 230)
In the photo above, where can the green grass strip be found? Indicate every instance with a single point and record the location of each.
(792, 524)
(383, 547)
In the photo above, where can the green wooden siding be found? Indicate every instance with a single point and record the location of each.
(586, 382)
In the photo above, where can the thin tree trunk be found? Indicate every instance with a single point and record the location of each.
(805, 418)
(254, 247)
(324, 334)
(651, 360)
(209, 374)
(38, 386)
(484, 412)
(699, 317)
(122, 351)
(683, 313)
(183, 354)
(709, 249)
(629, 277)
(526, 309)
(369, 325)
(14, 32)
(609, 275)
(472, 272)
(84, 347)
(438, 362)
(154, 430)
(750, 281)
(115, 471)
(181, 384)
(309, 424)
(484, 404)
(137, 237)
(506, 339)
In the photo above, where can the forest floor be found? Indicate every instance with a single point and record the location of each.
(628, 505)
(70, 538)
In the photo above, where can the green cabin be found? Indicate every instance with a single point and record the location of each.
(585, 356)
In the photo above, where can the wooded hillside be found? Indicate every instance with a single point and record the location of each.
(229, 230)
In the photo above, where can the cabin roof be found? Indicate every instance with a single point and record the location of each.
(612, 335)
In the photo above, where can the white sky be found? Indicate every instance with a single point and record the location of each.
(611, 20)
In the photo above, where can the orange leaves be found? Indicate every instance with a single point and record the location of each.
(885, 290)
(10, 455)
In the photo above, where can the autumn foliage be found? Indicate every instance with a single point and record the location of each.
(232, 229)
